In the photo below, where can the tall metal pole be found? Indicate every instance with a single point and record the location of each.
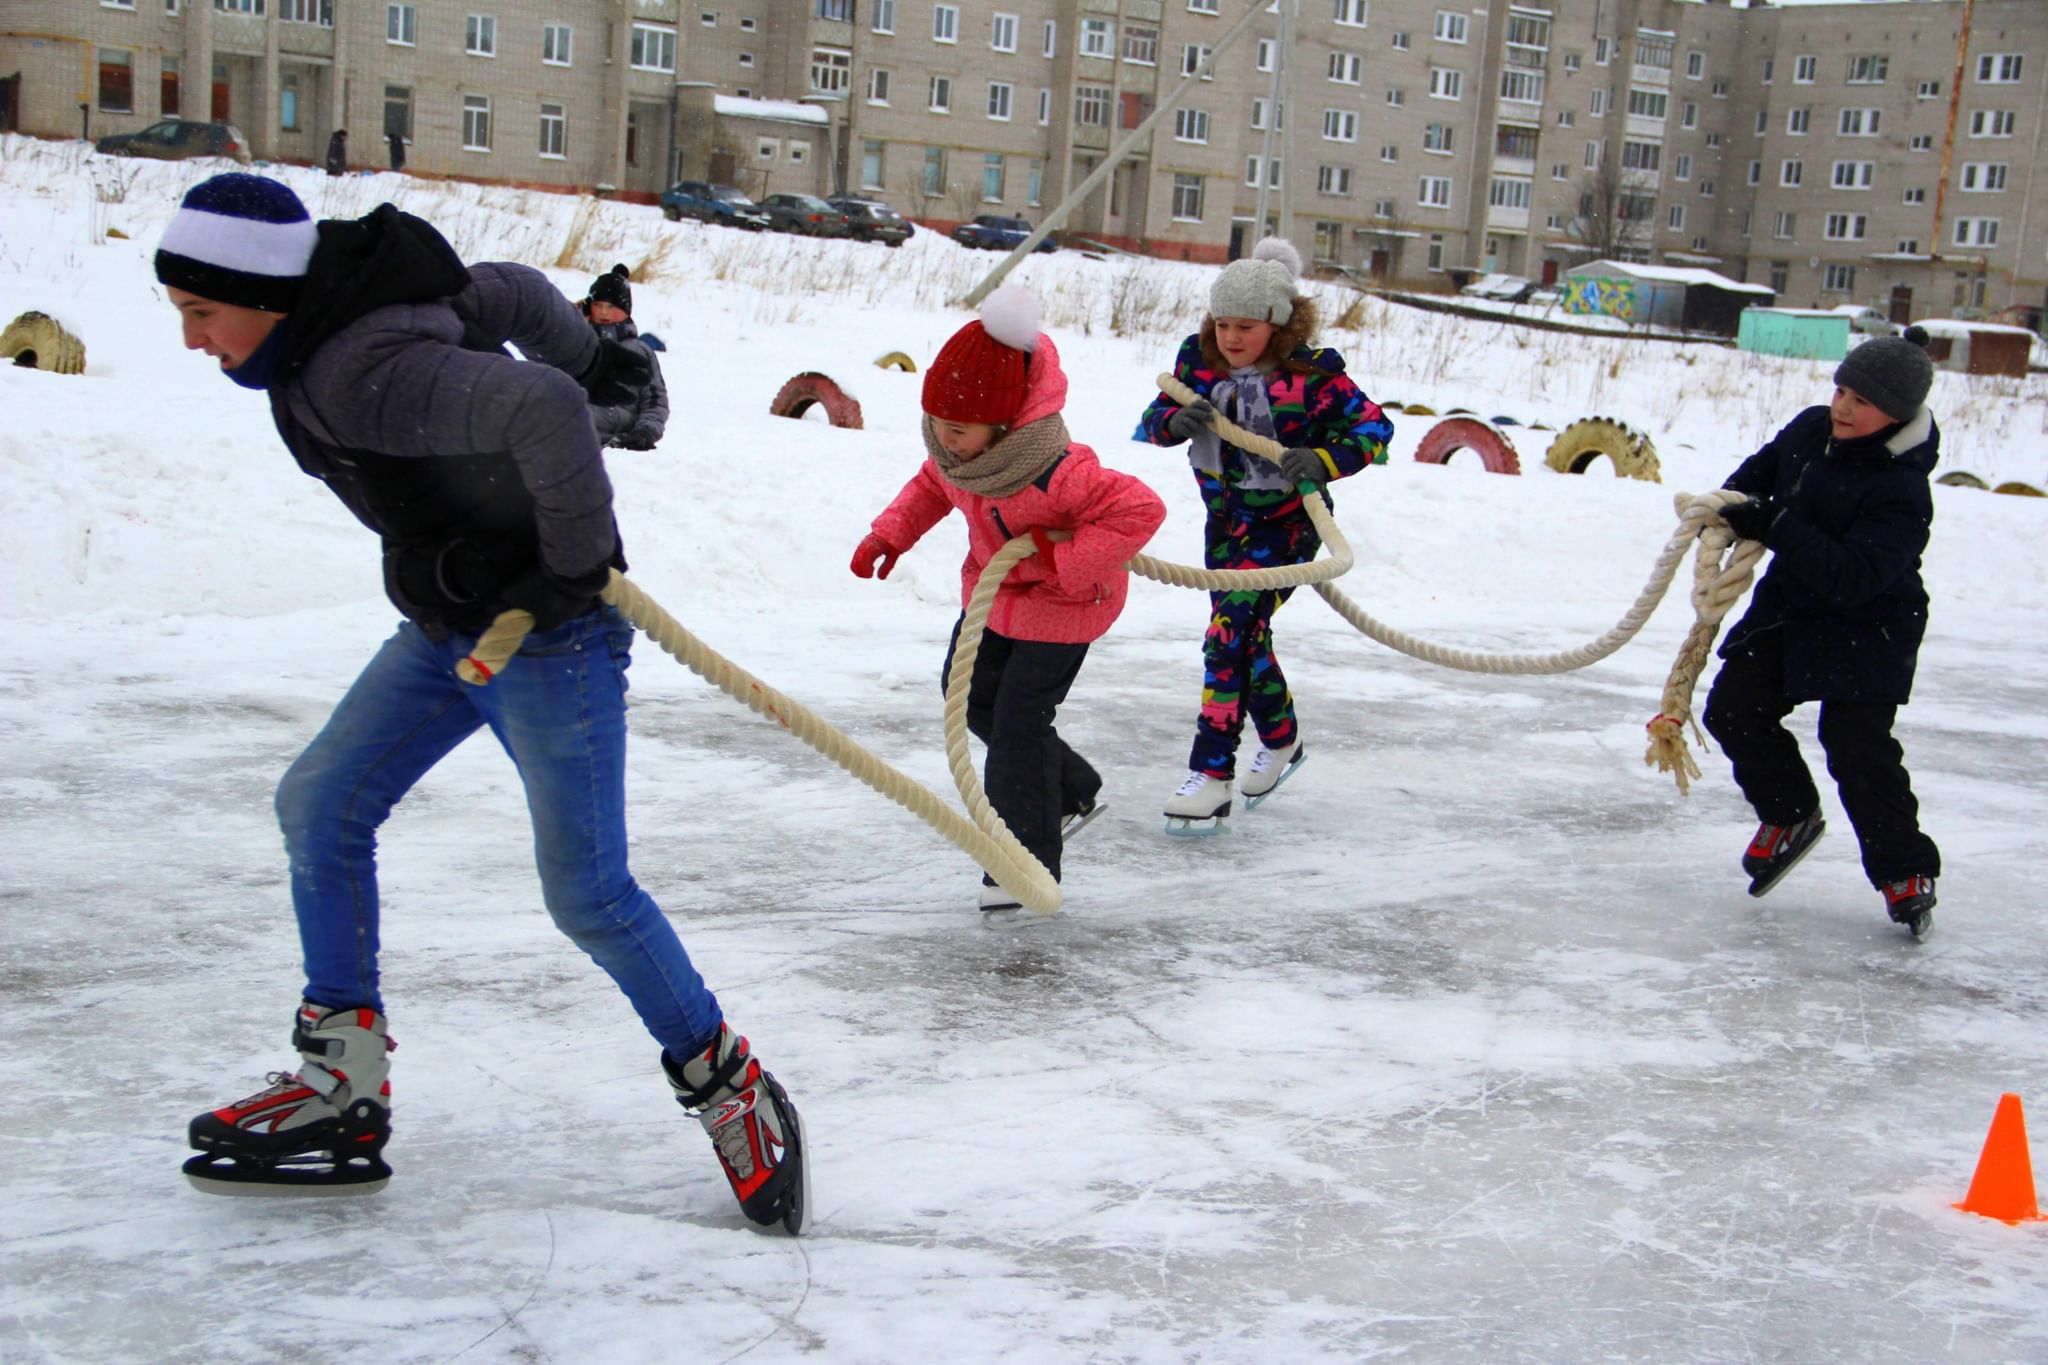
(1955, 97)
(1283, 78)
(1109, 163)
(1274, 90)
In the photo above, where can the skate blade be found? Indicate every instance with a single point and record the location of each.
(287, 1190)
(1760, 888)
(799, 1210)
(1919, 926)
(1252, 802)
(1082, 822)
(1014, 917)
(1196, 826)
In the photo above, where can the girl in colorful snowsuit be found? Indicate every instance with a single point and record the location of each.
(1252, 363)
(997, 449)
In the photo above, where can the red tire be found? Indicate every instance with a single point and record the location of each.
(795, 398)
(1453, 434)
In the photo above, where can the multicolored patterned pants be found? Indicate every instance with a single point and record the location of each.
(1239, 671)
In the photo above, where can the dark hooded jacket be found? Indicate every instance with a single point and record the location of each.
(1844, 581)
(477, 470)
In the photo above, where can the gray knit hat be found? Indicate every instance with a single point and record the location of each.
(1892, 374)
(1261, 286)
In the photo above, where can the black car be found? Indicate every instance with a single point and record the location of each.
(804, 213)
(868, 220)
(175, 139)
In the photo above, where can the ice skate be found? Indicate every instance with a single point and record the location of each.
(1270, 767)
(1199, 808)
(1073, 822)
(1777, 849)
(320, 1130)
(998, 904)
(753, 1128)
(1910, 901)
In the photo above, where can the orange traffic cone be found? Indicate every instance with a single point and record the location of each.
(2003, 1187)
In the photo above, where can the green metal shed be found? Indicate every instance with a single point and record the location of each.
(1807, 333)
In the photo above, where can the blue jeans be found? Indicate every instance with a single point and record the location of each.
(559, 709)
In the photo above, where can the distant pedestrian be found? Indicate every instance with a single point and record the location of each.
(337, 152)
(397, 145)
(631, 417)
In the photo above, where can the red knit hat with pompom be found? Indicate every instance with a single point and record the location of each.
(980, 375)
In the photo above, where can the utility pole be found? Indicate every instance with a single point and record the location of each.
(1948, 140)
(1111, 161)
(1274, 90)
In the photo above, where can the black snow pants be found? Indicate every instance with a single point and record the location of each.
(1033, 779)
(1745, 713)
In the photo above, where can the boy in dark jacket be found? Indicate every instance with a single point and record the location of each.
(1840, 497)
(383, 360)
(639, 414)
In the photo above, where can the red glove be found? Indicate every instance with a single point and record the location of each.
(871, 548)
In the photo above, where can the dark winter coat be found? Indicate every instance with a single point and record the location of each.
(397, 146)
(645, 418)
(476, 469)
(337, 153)
(1844, 580)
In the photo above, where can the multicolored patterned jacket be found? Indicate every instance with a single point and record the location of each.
(1323, 409)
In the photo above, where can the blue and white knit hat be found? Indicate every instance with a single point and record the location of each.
(239, 239)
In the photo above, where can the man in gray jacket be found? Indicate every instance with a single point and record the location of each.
(383, 358)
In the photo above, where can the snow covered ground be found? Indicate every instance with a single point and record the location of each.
(1468, 1046)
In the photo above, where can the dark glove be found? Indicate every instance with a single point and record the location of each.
(637, 439)
(619, 372)
(872, 548)
(1752, 520)
(1303, 465)
(555, 601)
(1192, 420)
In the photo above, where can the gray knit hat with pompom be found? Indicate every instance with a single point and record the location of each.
(1892, 373)
(1260, 287)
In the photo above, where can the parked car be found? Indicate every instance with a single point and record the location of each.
(804, 213)
(995, 233)
(870, 221)
(709, 203)
(174, 139)
(1500, 288)
(1866, 320)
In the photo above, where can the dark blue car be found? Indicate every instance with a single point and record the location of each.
(709, 203)
(995, 233)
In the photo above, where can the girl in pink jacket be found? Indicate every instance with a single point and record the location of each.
(997, 449)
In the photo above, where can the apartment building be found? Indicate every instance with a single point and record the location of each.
(1854, 152)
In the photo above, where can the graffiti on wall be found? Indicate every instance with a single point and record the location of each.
(1593, 294)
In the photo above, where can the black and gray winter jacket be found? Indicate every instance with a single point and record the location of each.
(642, 420)
(480, 471)
(1844, 582)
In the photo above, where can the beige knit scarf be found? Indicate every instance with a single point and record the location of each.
(1011, 463)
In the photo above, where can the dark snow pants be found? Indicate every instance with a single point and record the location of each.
(1744, 713)
(1032, 778)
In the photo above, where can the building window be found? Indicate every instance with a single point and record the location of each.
(1519, 85)
(1603, 50)
(1706, 189)
(117, 81)
(1998, 68)
(1396, 97)
(1052, 38)
(1191, 58)
(939, 95)
(870, 164)
(835, 11)
(167, 87)
(945, 23)
(1976, 232)
(1436, 251)
(992, 178)
(555, 42)
(1044, 105)
(1920, 142)
(746, 26)
(1642, 156)
(1868, 70)
(1350, 13)
(288, 101)
(1916, 195)
(1002, 32)
(1567, 118)
(654, 49)
(1675, 220)
(1390, 152)
(554, 131)
(1798, 121)
(1437, 137)
(1202, 6)
(1982, 177)
(1785, 226)
(401, 25)
(1791, 173)
(831, 71)
(1264, 54)
(398, 111)
(1191, 125)
(1509, 192)
(1853, 175)
(1681, 166)
(1450, 27)
(1596, 152)
(1695, 65)
(1141, 44)
(1805, 70)
(1098, 37)
(766, 149)
(1858, 123)
(320, 12)
(1845, 227)
(1035, 181)
(1992, 122)
(1770, 66)
(1653, 48)
(999, 93)
(1399, 42)
(1346, 68)
(1434, 192)
(1596, 103)
(1446, 84)
(1756, 172)
(1340, 125)
(1689, 115)
(1651, 104)
(1187, 195)
(933, 180)
(480, 35)
(1333, 180)
(746, 60)
(476, 123)
(1838, 279)
(1091, 105)
(878, 85)
(239, 6)
(882, 16)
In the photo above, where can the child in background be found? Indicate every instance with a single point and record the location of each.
(1252, 362)
(629, 419)
(1840, 497)
(997, 449)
